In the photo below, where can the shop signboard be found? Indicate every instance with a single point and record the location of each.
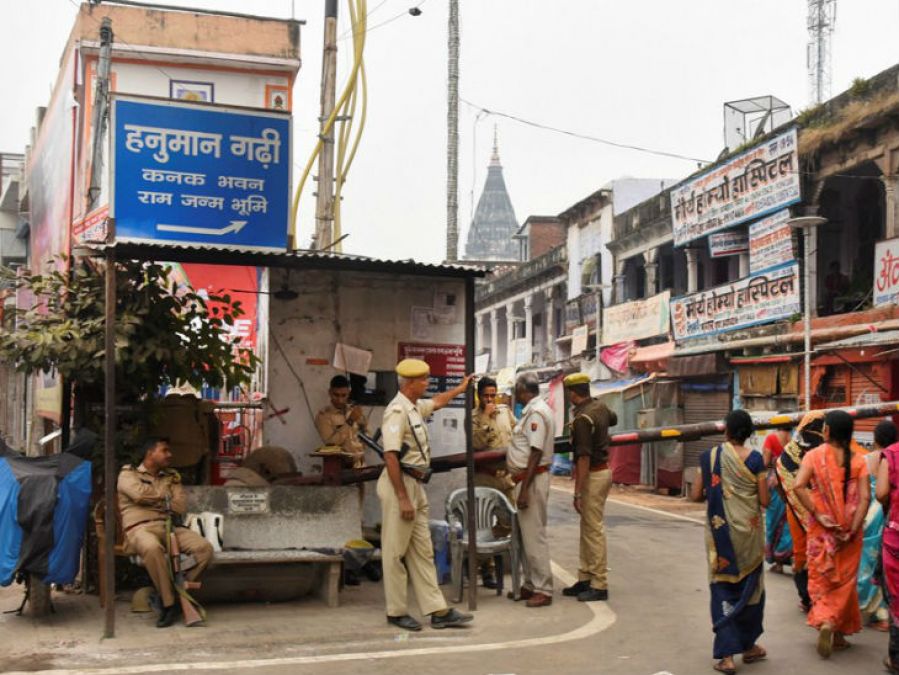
(756, 299)
(199, 174)
(771, 242)
(886, 272)
(724, 244)
(636, 320)
(755, 183)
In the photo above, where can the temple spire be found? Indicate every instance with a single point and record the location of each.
(494, 158)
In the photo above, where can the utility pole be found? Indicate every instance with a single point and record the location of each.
(98, 121)
(324, 203)
(452, 141)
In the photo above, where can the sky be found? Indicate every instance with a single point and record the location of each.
(653, 73)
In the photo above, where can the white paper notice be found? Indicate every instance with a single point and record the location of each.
(352, 359)
(482, 362)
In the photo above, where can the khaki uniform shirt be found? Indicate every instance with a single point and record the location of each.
(590, 430)
(404, 424)
(492, 432)
(142, 495)
(535, 429)
(335, 429)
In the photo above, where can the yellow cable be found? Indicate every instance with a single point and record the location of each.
(359, 43)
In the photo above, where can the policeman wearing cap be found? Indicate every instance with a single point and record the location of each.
(589, 435)
(406, 549)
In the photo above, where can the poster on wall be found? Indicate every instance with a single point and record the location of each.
(756, 299)
(886, 272)
(759, 181)
(636, 320)
(771, 242)
(724, 244)
(446, 428)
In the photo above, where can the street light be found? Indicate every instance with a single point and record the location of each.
(807, 224)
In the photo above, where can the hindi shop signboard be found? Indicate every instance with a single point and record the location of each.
(753, 184)
(724, 244)
(636, 320)
(757, 299)
(199, 174)
(771, 242)
(886, 273)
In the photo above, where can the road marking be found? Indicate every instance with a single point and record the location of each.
(602, 618)
(649, 509)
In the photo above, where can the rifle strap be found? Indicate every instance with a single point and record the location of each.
(181, 591)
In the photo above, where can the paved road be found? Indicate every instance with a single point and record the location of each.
(656, 622)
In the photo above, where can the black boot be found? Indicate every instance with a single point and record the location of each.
(801, 581)
(168, 616)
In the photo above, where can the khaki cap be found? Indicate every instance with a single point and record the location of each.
(575, 379)
(413, 368)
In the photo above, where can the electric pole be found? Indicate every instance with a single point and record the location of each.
(452, 141)
(324, 204)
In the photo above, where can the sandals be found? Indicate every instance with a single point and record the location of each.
(825, 641)
(721, 668)
(755, 655)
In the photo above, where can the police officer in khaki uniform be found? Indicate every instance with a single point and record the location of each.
(148, 495)
(590, 422)
(491, 429)
(528, 458)
(406, 550)
(340, 422)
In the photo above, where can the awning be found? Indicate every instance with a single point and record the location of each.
(711, 363)
(652, 353)
(885, 338)
(768, 359)
(603, 387)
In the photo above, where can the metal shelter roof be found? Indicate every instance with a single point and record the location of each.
(885, 338)
(301, 259)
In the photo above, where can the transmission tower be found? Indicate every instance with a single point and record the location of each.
(822, 16)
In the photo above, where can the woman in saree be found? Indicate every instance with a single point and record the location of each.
(887, 491)
(870, 595)
(809, 434)
(833, 486)
(734, 483)
(778, 542)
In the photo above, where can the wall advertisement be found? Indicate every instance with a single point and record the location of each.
(636, 320)
(756, 299)
(771, 242)
(759, 181)
(886, 272)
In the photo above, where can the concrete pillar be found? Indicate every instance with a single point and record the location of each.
(618, 280)
(480, 338)
(692, 269)
(891, 217)
(651, 270)
(529, 325)
(744, 265)
(510, 334)
(494, 339)
(549, 322)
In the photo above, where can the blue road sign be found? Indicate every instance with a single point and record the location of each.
(199, 174)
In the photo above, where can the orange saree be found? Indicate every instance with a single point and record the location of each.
(833, 565)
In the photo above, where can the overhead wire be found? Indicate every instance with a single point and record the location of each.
(587, 137)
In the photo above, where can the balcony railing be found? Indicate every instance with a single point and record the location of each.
(557, 257)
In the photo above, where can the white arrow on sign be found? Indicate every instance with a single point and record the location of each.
(234, 226)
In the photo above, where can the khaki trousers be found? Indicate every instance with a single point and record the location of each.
(593, 554)
(148, 541)
(538, 574)
(406, 550)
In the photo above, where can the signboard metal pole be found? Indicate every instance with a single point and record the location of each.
(471, 525)
(109, 463)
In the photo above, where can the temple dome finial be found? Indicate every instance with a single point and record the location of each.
(494, 158)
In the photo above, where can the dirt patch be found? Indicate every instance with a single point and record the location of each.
(27, 662)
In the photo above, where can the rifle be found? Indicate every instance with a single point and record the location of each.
(422, 474)
(191, 610)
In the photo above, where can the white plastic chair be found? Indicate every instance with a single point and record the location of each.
(492, 507)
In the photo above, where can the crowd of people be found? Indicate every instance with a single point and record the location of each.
(817, 501)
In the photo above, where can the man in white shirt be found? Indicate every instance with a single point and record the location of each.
(529, 458)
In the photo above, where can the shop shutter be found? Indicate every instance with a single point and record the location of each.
(703, 406)
(864, 392)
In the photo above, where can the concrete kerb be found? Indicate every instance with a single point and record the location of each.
(600, 618)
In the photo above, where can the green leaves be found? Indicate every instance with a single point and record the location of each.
(163, 334)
